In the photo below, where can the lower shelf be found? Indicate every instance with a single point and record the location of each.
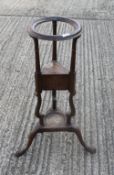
(54, 119)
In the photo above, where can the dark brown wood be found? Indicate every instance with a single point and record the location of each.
(54, 53)
(59, 128)
(49, 83)
(54, 76)
(37, 58)
(73, 56)
(37, 110)
(54, 101)
(30, 140)
(72, 107)
(54, 58)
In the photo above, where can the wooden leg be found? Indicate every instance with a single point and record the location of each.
(37, 113)
(79, 135)
(72, 108)
(54, 102)
(30, 140)
(40, 129)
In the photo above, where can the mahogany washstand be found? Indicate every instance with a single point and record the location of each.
(55, 120)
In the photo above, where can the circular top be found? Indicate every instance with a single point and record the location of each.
(77, 29)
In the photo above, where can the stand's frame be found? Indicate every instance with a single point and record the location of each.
(64, 81)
